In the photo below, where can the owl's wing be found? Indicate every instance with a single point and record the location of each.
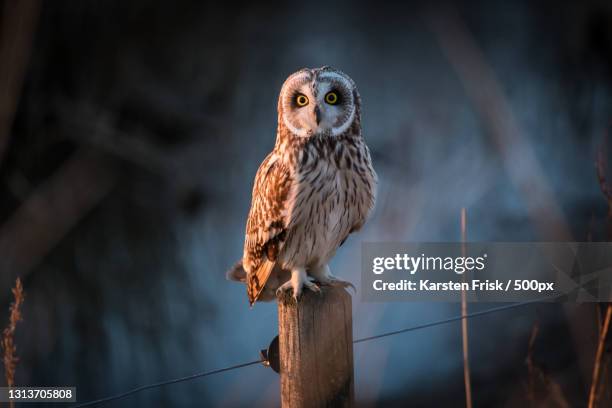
(266, 224)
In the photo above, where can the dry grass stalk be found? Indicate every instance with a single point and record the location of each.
(464, 328)
(531, 367)
(600, 367)
(542, 391)
(8, 344)
(595, 391)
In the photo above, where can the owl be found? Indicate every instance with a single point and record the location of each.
(313, 190)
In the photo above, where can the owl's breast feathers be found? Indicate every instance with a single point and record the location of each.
(309, 194)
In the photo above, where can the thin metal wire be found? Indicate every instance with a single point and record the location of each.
(449, 320)
(362, 340)
(160, 384)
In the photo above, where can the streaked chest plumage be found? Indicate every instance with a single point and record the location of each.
(332, 191)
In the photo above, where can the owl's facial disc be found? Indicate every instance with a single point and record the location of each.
(317, 104)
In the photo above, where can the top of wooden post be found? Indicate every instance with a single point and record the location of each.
(328, 293)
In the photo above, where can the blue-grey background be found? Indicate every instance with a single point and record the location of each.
(159, 113)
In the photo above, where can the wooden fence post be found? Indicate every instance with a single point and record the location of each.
(316, 349)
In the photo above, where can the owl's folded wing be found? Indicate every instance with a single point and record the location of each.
(266, 225)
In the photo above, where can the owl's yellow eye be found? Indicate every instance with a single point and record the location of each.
(301, 100)
(331, 98)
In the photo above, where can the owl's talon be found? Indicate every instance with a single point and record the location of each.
(312, 286)
(352, 287)
(285, 287)
(299, 280)
(324, 276)
(334, 282)
(344, 284)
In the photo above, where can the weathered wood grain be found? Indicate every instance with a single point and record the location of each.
(316, 349)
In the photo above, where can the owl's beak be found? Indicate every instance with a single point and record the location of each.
(317, 113)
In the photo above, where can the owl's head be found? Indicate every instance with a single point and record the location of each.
(320, 101)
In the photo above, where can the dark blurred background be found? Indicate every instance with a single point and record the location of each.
(130, 133)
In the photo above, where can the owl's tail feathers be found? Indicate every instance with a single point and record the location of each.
(237, 273)
(257, 280)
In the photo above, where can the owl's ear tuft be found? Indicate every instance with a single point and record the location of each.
(237, 273)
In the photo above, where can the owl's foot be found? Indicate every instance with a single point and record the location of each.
(299, 280)
(324, 277)
(333, 281)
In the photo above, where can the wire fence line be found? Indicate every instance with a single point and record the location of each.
(162, 383)
(448, 320)
(361, 340)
